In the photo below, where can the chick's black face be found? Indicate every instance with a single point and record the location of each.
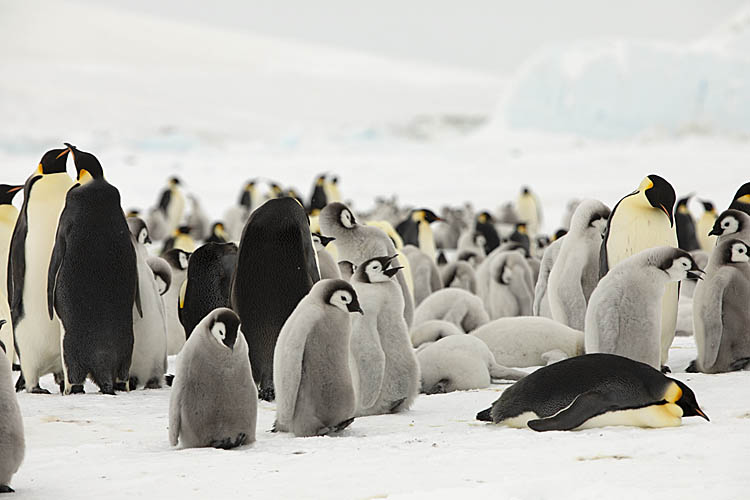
(662, 196)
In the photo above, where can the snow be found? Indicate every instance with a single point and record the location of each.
(95, 446)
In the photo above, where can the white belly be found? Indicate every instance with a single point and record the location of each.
(427, 240)
(666, 415)
(703, 227)
(150, 331)
(8, 216)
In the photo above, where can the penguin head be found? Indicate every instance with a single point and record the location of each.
(708, 206)
(559, 234)
(320, 180)
(133, 212)
(660, 195)
(521, 228)
(525, 191)
(162, 273)
(334, 180)
(485, 218)
(743, 194)
(184, 230)
(276, 190)
(426, 215)
(223, 326)
(139, 230)
(87, 165)
(504, 274)
(479, 240)
(468, 256)
(320, 241)
(341, 295)
(729, 222)
(590, 214)
(218, 230)
(7, 192)
(542, 241)
(177, 258)
(682, 205)
(339, 214)
(377, 270)
(54, 161)
(734, 251)
(174, 181)
(687, 402)
(680, 265)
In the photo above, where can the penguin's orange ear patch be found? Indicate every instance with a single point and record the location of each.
(40, 169)
(673, 393)
(744, 198)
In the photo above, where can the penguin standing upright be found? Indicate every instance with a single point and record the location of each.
(172, 204)
(683, 220)
(276, 267)
(208, 283)
(217, 234)
(331, 187)
(12, 442)
(416, 231)
(704, 226)
(318, 198)
(178, 262)
(236, 215)
(37, 337)
(529, 210)
(181, 239)
(92, 282)
(8, 217)
(520, 235)
(485, 225)
(741, 200)
(643, 219)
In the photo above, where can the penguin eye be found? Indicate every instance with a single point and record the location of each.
(345, 298)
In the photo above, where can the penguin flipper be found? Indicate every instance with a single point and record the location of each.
(175, 404)
(711, 315)
(370, 358)
(137, 298)
(584, 407)
(166, 197)
(58, 254)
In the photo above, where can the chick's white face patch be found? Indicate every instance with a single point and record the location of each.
(740, 253)
(219, 331)
(341, 299)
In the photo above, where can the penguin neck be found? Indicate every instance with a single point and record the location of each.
(426, 239)
(8, 215)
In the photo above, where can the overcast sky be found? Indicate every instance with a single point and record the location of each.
(487, 35)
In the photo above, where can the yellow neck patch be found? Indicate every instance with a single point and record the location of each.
(673, 393)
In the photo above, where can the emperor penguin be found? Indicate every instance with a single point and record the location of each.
(208, 284)
(457, 306)
(12, 442)
(149, 360)
(741, 200)
(329, 269)
(36, 336)
(459, 274)
(685, 225)
(387, 369)
(8, 217)
(485, 225)
(416, 231)
(331, 188)
(92, 282)
(315, 393)
(181, 239)
(236, 216)
(157, 224)
(358, 243)
(276, 268)
(214, 401)
(217, 234)
(432, 331)
(643, 219)
(541, 299)
(460, 363)
(389, 230)
(520, 235)
(576, 270)
(525, 341)
(704, 226)
(624, 313)
(172, 204)
(505, 284)
(318, 198)
(590, 391)
(197, 220)
(178, 262)
(720, 310)
(731, 224)
(425, 273)
(529, 210)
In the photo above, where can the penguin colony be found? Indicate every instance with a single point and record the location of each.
(337, 315)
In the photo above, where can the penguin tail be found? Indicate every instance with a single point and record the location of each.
(485, 415)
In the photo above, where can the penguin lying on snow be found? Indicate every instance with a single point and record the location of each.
(12, 444)
(431, 331)
(457, 306)
(594, 390)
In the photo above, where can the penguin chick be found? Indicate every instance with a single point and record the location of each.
(432, 331)
(541, 299)
(328, 267)
(12, 443)
(731, 224)
(460, 363)
(624, 313)
(315, 342)
(594, 390)
(214, 401)
(425, 272)
(460, 274)
(506, 280)
(454, 305)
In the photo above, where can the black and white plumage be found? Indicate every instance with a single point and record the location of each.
(12, 441)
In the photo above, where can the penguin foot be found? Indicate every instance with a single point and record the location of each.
(20, 383)
(739, 364)
(77, 389)
(16, 368)
(4, 488)
(39, 390)
(343, 425)
(107, 388)
(133, 383)
(153, 383)
(169, 379)
(665, 369)
(121, 386)
(485, 415)
(267, 394)
(396, 404)
(692, 367)
(228, 444)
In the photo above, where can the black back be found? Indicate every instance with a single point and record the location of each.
(209, 282)
(408, 229)
(276, 268)
(318, 198)
(686, 235)
(491, 238)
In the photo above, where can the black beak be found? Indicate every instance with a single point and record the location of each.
(355, 307)
(714, 232)
(695, 273)
(391, 272)
(148, 240)
(325, 240)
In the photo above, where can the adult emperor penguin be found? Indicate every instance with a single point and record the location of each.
(485, 225)
(12, 443)
(643, 219)
(387, 377)
(529, 210)
(457, 306)
(704, 226)
(172, 204)
(180, 239)
(331, 187)
(92, 283)
(218, 234)
(8, 217)
(178, 262)
(315, 393)
(576, 270)
(416, 231)
(318, 198)
(214, 401)
(208, 285)
(329, 269)
(37, 337)
(460, 363)
(624, 313)
(276, 267)
(541, 299)
(358, 243)
(425, 273)
(741, 200)
(685, 225)
(594, 390)
(731, 224)
(720, 310)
